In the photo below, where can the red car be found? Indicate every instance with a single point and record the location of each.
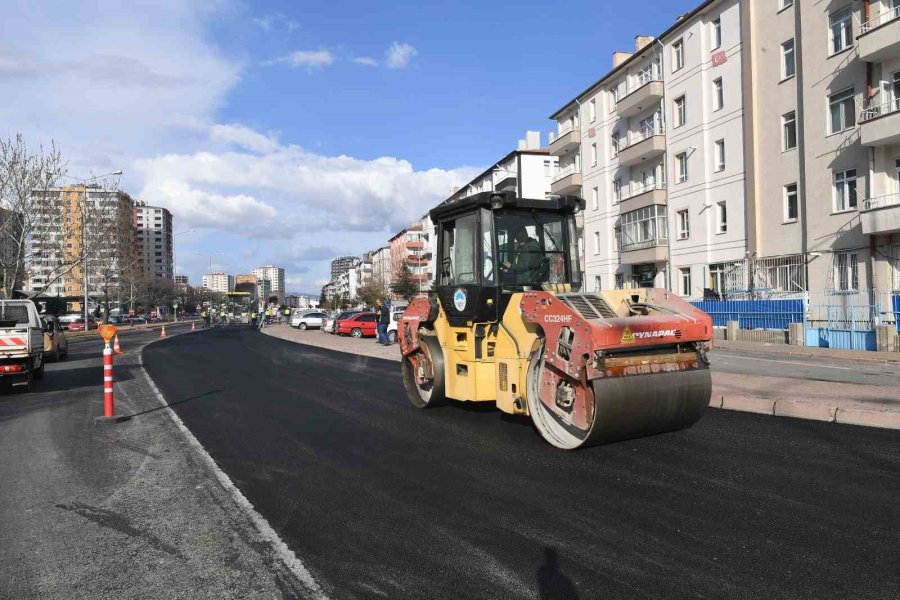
(79, 325)
(359, 325)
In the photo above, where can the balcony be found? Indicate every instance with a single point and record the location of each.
(879, 38)
(639, 195)
(646, 92)
(643, 145)
(566, 182)
(567, 140)
(642, 235)
(880, 124)
(881, 215)
(415, 244)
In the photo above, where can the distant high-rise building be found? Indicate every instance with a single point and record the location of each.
(181, 280)
(341, 265)
(153, 228)
(274, 276)
(218, 282)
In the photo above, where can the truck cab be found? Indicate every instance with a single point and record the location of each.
(21, 343)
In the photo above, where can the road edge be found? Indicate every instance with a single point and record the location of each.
(278, 547)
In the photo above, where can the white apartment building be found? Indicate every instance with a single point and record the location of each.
(275, 278)
(382, 267)
(153, 234)
(655, 148)
(218, 282)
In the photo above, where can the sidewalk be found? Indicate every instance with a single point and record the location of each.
(852, 404)
(785, 349)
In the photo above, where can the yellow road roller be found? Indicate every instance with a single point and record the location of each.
(507, 323)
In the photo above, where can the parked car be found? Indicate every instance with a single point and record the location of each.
(78, 325)
(359, 325)
(331, 325)
(396, 312)
(56, 345)
(310, 320)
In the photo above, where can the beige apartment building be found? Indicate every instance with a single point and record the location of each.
(823, 144)
(750, 147)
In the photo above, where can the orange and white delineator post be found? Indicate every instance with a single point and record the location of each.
(162, 332)
(193, 325)
(108, 332)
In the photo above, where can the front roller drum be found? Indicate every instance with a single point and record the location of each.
(423, 374)
(626, 407)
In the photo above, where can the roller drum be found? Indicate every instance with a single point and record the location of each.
(627, 407)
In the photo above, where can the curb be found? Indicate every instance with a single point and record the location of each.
(775, 349)
(881, 419)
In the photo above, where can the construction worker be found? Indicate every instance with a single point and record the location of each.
(268, 314)
(222, 316)
(527, 259)
(204, 314)
(253, 317)
(287, 315)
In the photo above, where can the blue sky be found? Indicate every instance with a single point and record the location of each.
(290, 132)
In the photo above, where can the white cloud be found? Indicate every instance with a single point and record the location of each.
(307, 59)
(269, 22)
(243, 137)
(399, 55)
(367, 61)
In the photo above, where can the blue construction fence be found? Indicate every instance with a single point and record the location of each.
(895, 307)
(753, 314)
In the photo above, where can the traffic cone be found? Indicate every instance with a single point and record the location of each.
(162, 332)
(193, 326)
(116, 348)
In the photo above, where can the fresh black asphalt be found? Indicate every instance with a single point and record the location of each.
(380, 499)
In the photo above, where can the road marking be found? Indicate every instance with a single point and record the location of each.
(279, 548)
(790, 362)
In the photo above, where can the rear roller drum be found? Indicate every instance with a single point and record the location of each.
(424, 384)
(625, 407)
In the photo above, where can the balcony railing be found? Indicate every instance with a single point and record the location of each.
(565, 172)
(636, 137)
(879, 110)
(636, 189)
(882, 201)
(880, 19)
(626, 244)
(642, 80)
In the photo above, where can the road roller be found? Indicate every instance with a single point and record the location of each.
(506, 322)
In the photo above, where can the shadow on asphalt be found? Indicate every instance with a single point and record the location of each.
(78, 377)
(169, 405)
(553, 584)
(16, 405)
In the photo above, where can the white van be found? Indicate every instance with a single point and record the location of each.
(396, 312)
(21, 342)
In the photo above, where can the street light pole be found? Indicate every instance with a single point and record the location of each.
(175, 265)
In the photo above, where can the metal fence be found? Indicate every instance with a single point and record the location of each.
(845, 320)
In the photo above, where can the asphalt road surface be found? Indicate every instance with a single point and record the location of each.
(379, 499)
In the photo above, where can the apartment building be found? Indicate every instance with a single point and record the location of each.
(408, 247)
(655, 147)
(181, 280)
(68, 217)
(275, 278)
(153, 234)
(341, 264)
(823, 144)
(218, 282)
(382, 268)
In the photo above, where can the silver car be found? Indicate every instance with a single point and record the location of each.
(312, 320)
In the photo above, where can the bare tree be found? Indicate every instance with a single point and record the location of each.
(32, 216)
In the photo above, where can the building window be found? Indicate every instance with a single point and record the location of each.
(592, 110)
(685, 280)
(677, 55)
(642, 228)
(615, 144)
(846, 272)
(594, 154)
(789, 131)
(786, 3)
(791, 208)
(788, 65)
(680, 111)
(841, 32)
(721, 217)
(595, 198)
(681, 163)
(596, 242)
(718, 94)
(842, 109)
(683, 219)
(717, 33)
(845, 190)
(720, 155)
(548, 170)
(617, 189)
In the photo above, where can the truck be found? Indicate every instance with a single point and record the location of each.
(21, 343)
